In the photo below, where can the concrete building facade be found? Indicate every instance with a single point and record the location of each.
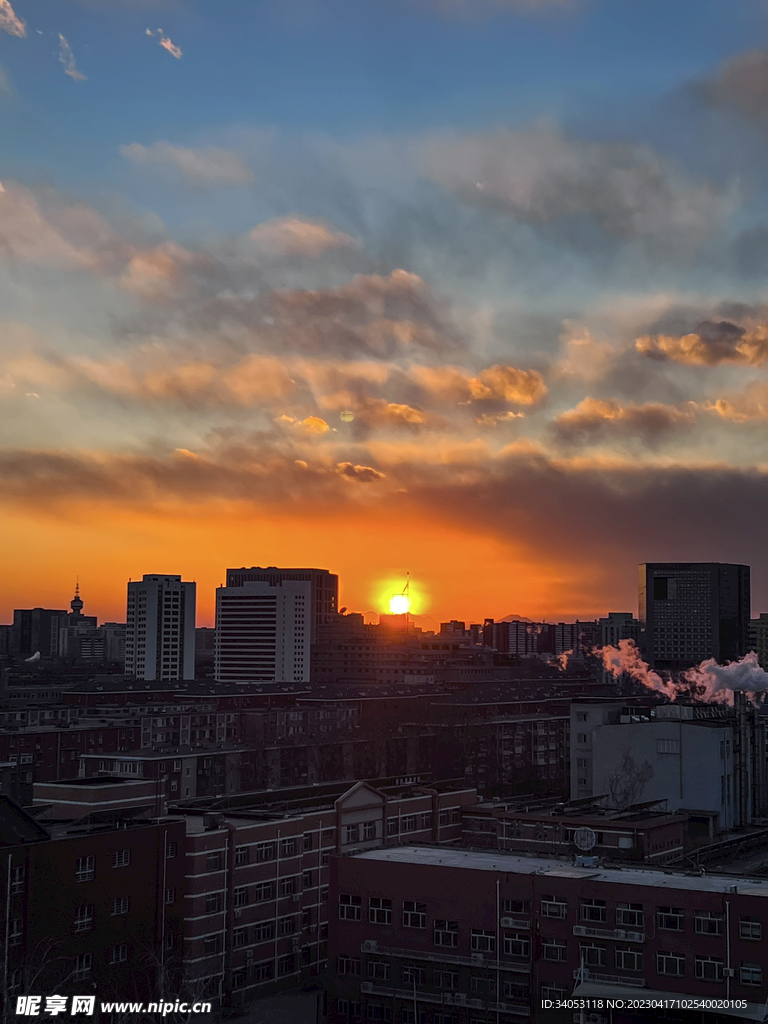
(160, 628)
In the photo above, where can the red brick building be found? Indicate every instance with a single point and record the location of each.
(457, 937)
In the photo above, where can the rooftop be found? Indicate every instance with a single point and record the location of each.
(431, 856)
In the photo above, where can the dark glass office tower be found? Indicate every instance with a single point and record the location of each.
(691, 611)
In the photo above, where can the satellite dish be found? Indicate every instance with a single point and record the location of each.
(584, 838)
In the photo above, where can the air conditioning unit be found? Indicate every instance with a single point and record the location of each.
(477, 959)
(728, 972)
(366, 987)
(579, 929)
(476, 1004)
(370, 946)
(294, 943)
(296, 897)
(507, 922)
(459, 999)
(619, 933)
(635, 937)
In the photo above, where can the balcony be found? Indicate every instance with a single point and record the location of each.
(446, 958)
(608, 979)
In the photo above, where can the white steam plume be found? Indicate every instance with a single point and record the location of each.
(707, 681)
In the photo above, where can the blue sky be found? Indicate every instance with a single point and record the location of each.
(523, 244)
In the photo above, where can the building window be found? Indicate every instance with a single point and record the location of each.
(170, 896)
(592, 955)
(378, 1012)
(86, 869)
(414, 914)
(213, 903)
(481, 941)
(288, 886)
(84, 918)
(629, 915)
(213, 862)
(555, 950)
(517, 944)
(239, 936)
(750, 929)
(593, 910)
(265, 851)
(667, 746)
(263, 932)
(670, 964)
(413, 974)
(16, 931)
(516, 907)
(264, 971)
(369, 830)
(261, 892)
(446, 933)
(241, 895)
(120, 906)
(242, 855)
(288, 848)
(378, 970)
(238, 978)
(83, 964)
(554, 906)
(348, 965)
(426, 820)
(308, 841)
(708, 922)
(171, 850)
(445, 978)
(17, 879)
(629, 960)
(351, 834)
(211, 945)
(408, 823)
(350, 907)
(708, 968)
(516, 989)
(121, 859)
(287, 925)
(379, 910)
(550, 991)
(119, 954)
(751, 974)
(392, 829)
(670, 919)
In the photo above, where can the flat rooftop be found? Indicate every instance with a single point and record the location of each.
(431, 856)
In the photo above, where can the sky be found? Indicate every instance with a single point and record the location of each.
(471, 289)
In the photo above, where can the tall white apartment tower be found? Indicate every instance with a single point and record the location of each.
(263, 632)
(160, 628)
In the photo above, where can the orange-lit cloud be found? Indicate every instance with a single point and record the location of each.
(713, 344)
(594, 418)
(296, 236)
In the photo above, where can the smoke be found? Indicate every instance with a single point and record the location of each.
(625, 660)
(708, 681)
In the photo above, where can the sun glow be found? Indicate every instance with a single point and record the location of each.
(399, 604)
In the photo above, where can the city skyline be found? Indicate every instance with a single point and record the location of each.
(471, 289)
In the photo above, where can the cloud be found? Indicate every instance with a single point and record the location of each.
(204, 166)
(742, 85)
(359, 474)
(10, 22)
(165, 42)
(595, 418)
(496, 384)
(710, 345)
(158, 273)
(295, 236)
(582, 357)
(750, 404)
(542, 177)
(67, 60)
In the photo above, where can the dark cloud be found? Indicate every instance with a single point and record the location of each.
(542, 177)
(742, 85)
(710, 344)
(596, 419)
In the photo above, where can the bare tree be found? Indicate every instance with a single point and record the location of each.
(627, 782)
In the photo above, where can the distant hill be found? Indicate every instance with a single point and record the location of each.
(515, 618)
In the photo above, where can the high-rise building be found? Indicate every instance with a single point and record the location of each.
(691, 611)
(324, 588)
(36, 631)
(263, 631)
(160, 628)
(758, 638)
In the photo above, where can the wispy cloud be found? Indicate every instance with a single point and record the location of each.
(165, 42)
(203, 166)
(296, 236)
(67, 60)
(10, 22)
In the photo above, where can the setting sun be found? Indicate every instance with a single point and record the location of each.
(399, 604)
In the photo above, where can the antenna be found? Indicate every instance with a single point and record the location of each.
(585, 839)
(407, 592)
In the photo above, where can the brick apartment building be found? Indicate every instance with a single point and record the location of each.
(257, 897)
(92, 906)
(447, 936)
